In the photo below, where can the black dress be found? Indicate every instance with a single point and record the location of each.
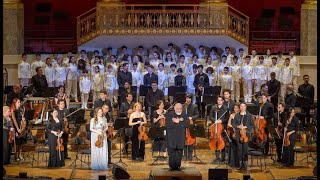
(288, 154)
(18, 115)
(54, 158)
(7, 147)
(137, 151)
(159, 143)
(233, 152)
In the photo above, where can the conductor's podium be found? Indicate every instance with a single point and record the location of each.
(186, 173)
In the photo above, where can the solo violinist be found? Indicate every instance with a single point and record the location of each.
(55, 129)
(8, 135)
(291, 129)
(99, 144)
(243, 123)
(219, 114)
(17, 118)
(62, 113)
(279, 119)
(136, 120)
(159, 120)
(233, 148)
(191, 110)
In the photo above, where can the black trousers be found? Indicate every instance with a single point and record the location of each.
(109, 151)
(278, 143)
(65, 143)
(288, 154)
(306, 117)
(137, 152)
(175, 157)
(266, 149)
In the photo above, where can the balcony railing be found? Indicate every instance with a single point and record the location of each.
(135, 20)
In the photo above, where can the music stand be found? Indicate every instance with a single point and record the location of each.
(78, 117)
(312, 131)
(197, 131)
(274, 134)
(120, 124)
(253, 109)
(157, 132)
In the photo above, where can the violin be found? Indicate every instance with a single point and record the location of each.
(286, 140)
(59, 146)
(23, 126)
(162, 121)
(217, 142)
(110, 132)
(260, 125)
(99, 142)
(243, 134)
(142, 133)
(279, 129)
(189, 139)
(11, 137)
(231, 132)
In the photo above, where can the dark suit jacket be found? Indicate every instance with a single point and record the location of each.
(247, 121)
(267, 112)
(100, 103)
(147, 79)
(153, 97)
(124, 77)
(230, 106)
(290, 101)
(220, 112)
(192, 111)
(176, 132)
(125, 106)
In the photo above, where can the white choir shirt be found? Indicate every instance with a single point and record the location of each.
(173, 54)
(162, 76)
(221, 66)
(190, 80)
(49, 72)
(85, 85)
(261, 72)
(155, 63)
(97, 82)
(286, 75)
(187, 54)
(229, 57)
(36, 64)
(267, 60)
(275, 68)
(60, 73)
(190, 70)
(136, 78)
(296, 66)
(247, 71)
(201, 54)
(254, 60)
(170, 78)
(72, 71)
(101, 67)
(110, 81)
(24, 70)
(183, 66)
(213, 78)
(226, 81)
(214, 57)
(167, 65)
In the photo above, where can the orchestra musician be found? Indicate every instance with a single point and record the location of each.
(218, 115)
(227, 99)
(55, 129)
(17, 114)
(153, 96)
(267, 114)
(243, 121)
(102, 100)
(159, 120)
(62, 113)
(99, 144)
(137, 119)
(39, 83)
(8, 135)
(191, 110)
(16, 93)
(291, 129)
(108, 115)
(62, 95)
(233, 148)
(279, 119)
(125, 111)
(177, 122)
(201, 80)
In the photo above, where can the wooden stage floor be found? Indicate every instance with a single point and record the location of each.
(141, 170)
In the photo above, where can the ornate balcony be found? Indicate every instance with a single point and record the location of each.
(162, 20)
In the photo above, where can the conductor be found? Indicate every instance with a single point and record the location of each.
(177, 122)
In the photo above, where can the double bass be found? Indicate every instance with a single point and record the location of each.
(217, 142)
(259, 126)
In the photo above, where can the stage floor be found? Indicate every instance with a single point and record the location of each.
(141, 170)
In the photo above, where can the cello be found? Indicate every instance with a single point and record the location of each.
(259, 126)
(217, 142)
(189, 139)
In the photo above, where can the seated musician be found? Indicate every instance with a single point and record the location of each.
(257, 95)
(127, 89)
(243, 121)
(219, 114)
(191, 110)
(62, 113)
(291, 129)
(266, 112)
(137, 119)
(159, 121)
(279, 119)
(108, 115)
(16, 93)
(125, 111)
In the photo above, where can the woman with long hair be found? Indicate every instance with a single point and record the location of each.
(62, 95)
(137, 118)
(17, 114)
(99, 144)
(55, 129)
(233, 148)
(8, 135)
(159, 121)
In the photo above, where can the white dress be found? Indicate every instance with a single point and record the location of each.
(99, 156)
